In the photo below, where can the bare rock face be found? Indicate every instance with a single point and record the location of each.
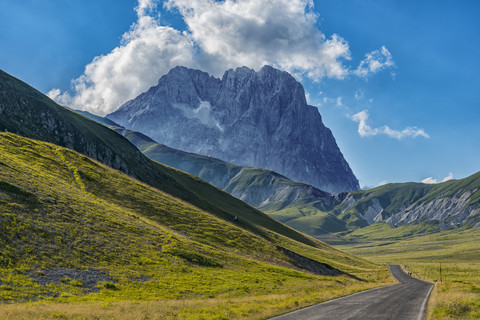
(249, 118)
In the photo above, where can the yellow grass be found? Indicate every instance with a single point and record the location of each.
(246, 307)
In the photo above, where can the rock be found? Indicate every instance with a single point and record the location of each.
(249, 118)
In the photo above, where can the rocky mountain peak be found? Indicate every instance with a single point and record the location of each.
(250, 118)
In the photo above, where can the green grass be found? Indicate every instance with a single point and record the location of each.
(62, 210)
(345, 219)
(455, 252)
(385, 231)
(309, 220)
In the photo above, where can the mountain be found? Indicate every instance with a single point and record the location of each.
(451, 204)
(71, 226)
(390, 211)
(258, 119)
(264, 189)
(27, 112)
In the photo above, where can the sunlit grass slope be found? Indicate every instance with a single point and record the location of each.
(61, 211)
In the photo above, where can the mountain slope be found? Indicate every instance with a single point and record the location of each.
(27, 112)
(259, 119)
(452, 203)
(66, 215)
(264, 189)
(316, 213)
(391, 211)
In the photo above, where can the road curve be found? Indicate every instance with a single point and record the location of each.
(403, 301)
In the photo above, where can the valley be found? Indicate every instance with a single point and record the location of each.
(63, 211)
(239, 160)
(100, 221)
(81, 239)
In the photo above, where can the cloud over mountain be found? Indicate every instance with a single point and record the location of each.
(431, 180)
(219, 35)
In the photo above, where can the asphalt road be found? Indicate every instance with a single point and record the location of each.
(403, 301)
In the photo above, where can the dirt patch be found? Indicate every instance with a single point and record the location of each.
(88, 278)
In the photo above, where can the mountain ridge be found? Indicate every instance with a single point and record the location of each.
(258, 119)
(318, 213)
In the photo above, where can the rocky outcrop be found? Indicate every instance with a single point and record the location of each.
(456, 206)
(248, 118)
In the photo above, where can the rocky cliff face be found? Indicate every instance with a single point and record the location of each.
(248, 118)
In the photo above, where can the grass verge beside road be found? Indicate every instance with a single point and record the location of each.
(449, 258)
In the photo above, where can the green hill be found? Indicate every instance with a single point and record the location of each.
(452, 203)
(264, 189)
(75, 230)
(359, 215)
(392, 211)
(29, 113)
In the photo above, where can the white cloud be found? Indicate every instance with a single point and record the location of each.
(53, 94)
(148, 50)
(449, 177)
(374, 62)
(255, 33)
(144, 6)
(220, 35)
(365, 130)
(339, 102)
(431, 180)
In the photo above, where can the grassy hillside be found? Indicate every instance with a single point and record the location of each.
(261, 188)
(333, 218)
(391, 197)
(74, 230)
(27, 112)
(432, 207)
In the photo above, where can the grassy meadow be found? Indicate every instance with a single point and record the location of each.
(79, 240)
(450, 259)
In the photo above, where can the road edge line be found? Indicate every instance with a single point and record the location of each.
(331, 300)
(423, 308)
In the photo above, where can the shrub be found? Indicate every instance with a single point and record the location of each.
(76, 283)
(110, 286)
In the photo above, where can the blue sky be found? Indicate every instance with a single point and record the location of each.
(408, 112)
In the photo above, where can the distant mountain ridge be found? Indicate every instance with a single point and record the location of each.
(415, 207)
(451, 204)
(258, 119)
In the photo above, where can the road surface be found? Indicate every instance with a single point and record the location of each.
(403, 301)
